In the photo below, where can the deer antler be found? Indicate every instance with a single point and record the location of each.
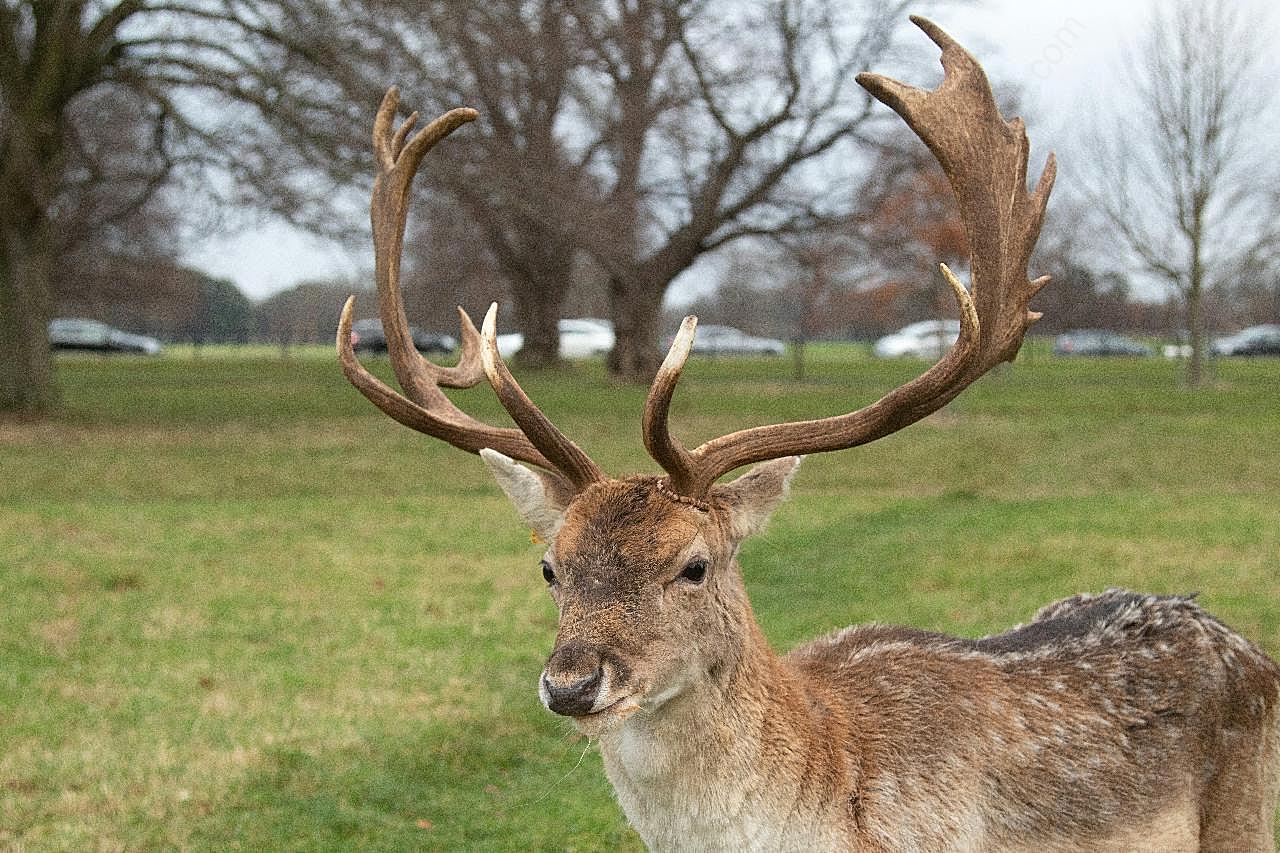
(567, 456)
(424, 407)
(985, 159)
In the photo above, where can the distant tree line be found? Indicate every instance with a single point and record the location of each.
(162, 298)
(876, 271)
(181, 305)
(763, 292)
(765, 289)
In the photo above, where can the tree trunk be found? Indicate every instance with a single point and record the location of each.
(636, 308)
(537, 305)
(1195, 300)
(26, 363)
(1195, 336)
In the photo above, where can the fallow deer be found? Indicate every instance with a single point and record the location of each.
(1115, 722)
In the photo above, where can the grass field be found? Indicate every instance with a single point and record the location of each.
(241, 609)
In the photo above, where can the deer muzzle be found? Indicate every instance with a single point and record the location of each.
(574, 683)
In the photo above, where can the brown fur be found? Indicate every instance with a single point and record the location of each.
(1116, 721)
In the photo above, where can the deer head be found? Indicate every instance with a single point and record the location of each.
(649, 594)
(642, 569)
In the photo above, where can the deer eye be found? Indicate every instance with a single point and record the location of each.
(548, 574)
(695, 571)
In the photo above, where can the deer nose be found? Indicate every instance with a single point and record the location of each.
(569, 695)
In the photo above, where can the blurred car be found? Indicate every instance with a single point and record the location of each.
(923, 339)
(726, 340)
(585, 337)
(1255, 340)
(1098, 342)
(580, 337)
(77, 333)
(367, 336)
(509, 344)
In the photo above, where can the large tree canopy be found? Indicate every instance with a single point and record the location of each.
(634, 135)
(639, 135)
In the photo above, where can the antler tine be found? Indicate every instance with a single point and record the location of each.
(389, 210)
(666, 450)
(397, 141)
(985, 159)
(554, 445)
(423, 406)
(693, 472)
(444, 421)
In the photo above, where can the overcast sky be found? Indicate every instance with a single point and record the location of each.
(1060, 51)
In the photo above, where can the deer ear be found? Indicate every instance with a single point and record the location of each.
(538, 498)
(753, 497)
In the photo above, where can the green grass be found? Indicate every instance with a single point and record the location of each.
(243, 610)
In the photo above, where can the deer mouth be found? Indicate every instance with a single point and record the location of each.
(602, 711)
(618, 709)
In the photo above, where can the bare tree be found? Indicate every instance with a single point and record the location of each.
(159, 62)
(1183, 177)
(707, 115)
(821, 261)
(641, 133)
(435, 282)
(518, 181)
(521, 183)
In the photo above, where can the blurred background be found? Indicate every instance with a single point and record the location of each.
(241, 609)
(196, 172)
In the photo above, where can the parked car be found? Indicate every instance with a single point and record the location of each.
(76, 333)
(1255, 340)
(726, 340)
(580, 337)
(923, 339)
(585, 337)
(1098, 342)
(509, 343)
(367, 336)
(1180, 348)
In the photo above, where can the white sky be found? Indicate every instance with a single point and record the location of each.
(1059, 51)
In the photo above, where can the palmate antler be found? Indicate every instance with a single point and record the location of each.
(985, 159)
(426, 408)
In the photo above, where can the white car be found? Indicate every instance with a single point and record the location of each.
(925, 339)
(585, 337)
(509, 344)
(581, 337)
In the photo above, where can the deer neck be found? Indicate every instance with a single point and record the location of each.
(730, 759)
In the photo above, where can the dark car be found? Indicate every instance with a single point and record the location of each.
(76, 333)
(367, 336)
(1255, 340)
(1098, 342)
